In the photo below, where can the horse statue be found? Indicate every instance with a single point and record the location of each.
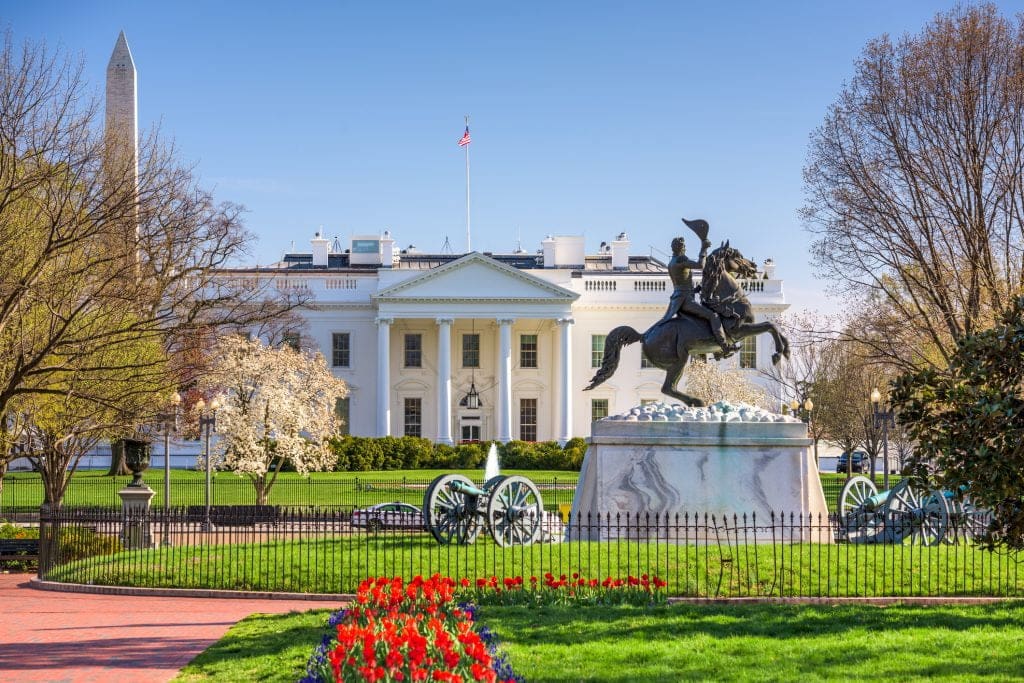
(669, 345)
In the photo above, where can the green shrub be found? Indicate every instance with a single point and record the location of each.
(77, 543)
(469, 456)
(362, 454)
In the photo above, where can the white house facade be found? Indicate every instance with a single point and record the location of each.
(485, 346)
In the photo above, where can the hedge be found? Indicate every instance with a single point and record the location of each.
(363, 454)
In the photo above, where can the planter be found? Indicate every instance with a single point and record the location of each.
(136, 456)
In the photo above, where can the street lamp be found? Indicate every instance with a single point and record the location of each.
(884, 417)
(207, 425)
(169, 422)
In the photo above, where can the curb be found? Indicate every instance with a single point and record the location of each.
(334, 598)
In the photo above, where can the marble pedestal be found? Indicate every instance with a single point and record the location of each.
(135, 532)
(647, 479)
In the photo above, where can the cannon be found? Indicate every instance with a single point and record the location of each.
(909, 512)
(509, 508)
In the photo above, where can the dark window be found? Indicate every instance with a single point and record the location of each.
(527, 419)
(597, 350)
(527, 350)
(414, 417)
(748, 352)
(470, 433)
(292, 339)
(471, 350)
(598, 408)
(340, 349)
(341, 410)
(414, 350)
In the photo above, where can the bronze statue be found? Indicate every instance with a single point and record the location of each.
(682, 301)
(670, 342)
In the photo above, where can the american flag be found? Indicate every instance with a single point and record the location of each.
(465, 139)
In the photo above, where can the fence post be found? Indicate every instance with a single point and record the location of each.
(49, 530)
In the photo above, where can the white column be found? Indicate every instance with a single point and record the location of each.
(444, 380)
(384, 376)
(565, 385)
(505, 381)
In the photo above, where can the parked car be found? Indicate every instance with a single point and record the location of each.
(382, 516)
(860, 464)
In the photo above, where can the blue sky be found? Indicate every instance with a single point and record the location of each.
(587, 118)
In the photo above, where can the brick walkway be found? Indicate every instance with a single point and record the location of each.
(78, 638)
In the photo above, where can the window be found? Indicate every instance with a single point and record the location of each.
(598, 408)
(471, 350)
(340, 349)
(597, 350)
(647, 401)
(527, 350)
(414, 350)
(341, 410)
(527, 419)
(291, 338)
(748, 352)
(470, 433)
(644, 362)
(414, 417)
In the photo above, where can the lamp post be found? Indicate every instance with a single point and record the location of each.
(208, 424)
(884, 417)
(169, 422)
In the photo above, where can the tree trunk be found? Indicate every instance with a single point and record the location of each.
(261, 490)
(118, 466)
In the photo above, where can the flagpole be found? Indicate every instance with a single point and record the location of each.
(468, 243)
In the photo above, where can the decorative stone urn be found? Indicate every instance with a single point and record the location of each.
(136, 456)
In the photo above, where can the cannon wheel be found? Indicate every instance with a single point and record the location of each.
(857, 523)
(515, 511)
(451, 516)
(969, 521)
(914, 514)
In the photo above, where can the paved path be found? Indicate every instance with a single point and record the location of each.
(78, 637)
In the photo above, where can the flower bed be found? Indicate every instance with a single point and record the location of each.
(407, 632)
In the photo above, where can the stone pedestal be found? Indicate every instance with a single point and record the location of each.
(657, 473)
(135, 531)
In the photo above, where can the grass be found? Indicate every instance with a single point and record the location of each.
(336, 565)
(356, 489)
(765, 642)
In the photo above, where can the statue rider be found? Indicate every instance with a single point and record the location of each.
(683, 301)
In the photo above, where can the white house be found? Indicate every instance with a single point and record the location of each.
(486, 346)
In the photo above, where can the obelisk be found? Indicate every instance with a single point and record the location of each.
(122, 129)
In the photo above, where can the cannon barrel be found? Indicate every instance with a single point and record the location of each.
(876, 501)
(467, 489)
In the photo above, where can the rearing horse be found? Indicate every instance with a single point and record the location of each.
(670, 344)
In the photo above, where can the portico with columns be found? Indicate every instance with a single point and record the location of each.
(488, 308)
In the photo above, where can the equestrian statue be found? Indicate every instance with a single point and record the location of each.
(714, 325)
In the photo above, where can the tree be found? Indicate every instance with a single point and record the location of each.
(99, 253)
(915, 183)
(968, 423)
(278, 406)
(711, 383)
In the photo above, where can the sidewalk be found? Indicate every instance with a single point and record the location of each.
(77, 638)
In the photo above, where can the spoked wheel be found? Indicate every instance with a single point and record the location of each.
(450, 515)
(915, 514)
(515, 511)
(859, 522)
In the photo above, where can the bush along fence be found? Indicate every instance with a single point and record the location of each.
(696, 555)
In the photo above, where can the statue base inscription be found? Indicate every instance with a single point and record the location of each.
(691, 474)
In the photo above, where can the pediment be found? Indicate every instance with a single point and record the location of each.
(476, 277)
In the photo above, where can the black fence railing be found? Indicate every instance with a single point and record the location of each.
(328, 550)
(20, 498)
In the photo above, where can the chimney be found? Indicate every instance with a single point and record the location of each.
(620, 252)
(387, 250)
(548, 247)
(320, 249)
(769, 269)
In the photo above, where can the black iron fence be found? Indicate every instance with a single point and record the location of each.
(321, 550)
(20, 498)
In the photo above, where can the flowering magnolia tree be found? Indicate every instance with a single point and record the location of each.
(277, 406)
(711, 384)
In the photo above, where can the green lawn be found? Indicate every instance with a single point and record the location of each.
(337, 564)
(352, 489)
(765, 642)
